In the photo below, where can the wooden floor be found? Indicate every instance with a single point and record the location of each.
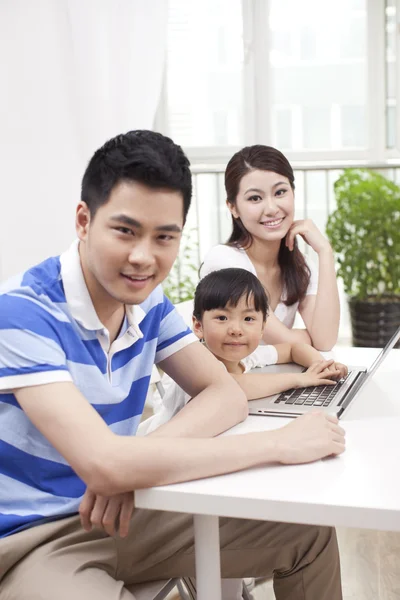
(370, 566)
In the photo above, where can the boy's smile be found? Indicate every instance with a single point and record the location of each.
(231, 333)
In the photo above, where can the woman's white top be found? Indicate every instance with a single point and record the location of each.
(224, 257)
(175, 398)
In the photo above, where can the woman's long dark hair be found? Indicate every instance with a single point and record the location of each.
(294, 269)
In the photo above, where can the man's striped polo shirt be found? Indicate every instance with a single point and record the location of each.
(50, 332)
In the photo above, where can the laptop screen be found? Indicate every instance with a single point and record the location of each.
(391, 343)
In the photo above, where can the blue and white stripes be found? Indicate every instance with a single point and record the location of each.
(41, 341)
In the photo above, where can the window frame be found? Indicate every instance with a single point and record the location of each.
(257, 96)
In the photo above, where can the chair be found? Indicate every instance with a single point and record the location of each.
(156, 590)
(159, 590)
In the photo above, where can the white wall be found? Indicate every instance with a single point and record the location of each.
(73, 74)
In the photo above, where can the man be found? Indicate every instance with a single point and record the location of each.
(78, 338)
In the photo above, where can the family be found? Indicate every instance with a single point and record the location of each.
(79, 335)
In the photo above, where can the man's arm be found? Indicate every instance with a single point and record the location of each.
(217, 401)
(110, 464)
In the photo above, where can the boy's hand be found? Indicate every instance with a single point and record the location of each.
(321, 372)
(308, 438)
(109, 513)
(335, 370)
(343, 370)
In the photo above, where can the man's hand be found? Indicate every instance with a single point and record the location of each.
(308, 438)
(113, 514)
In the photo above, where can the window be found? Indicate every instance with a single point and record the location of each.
(391, 43)
(317, 60)
(316, 79)
(204, 72)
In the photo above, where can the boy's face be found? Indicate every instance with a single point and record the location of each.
(231, 333)
(131, 243)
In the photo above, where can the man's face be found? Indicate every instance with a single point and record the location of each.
(131, 243)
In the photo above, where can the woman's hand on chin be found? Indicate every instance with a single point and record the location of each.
(310, 233)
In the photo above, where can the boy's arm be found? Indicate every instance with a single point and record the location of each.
(320, 372)
(306, 355)
(259, 385)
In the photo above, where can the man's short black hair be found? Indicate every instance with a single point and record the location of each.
(143, 156)
(226, 287)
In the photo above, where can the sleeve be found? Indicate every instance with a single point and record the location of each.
(313, 285)
(174, 334)
(31, 352)
(223, 257)
(172, 402)
(261, 357)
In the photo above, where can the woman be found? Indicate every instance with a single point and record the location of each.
(259, 183)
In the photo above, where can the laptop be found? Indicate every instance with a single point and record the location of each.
(333, 399)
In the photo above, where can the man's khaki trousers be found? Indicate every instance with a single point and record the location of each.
(60, 561)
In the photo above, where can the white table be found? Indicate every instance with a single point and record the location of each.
(361, 488)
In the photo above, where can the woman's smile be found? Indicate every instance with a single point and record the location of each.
(272, 223)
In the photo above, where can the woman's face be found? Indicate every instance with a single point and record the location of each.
(265, 205)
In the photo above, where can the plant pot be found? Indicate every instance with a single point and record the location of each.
(374, 320)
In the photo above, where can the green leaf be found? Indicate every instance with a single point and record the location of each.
(181, 283)
(364, 231)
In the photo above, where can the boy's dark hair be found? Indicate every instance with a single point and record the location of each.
(144, 156)
(226, 287)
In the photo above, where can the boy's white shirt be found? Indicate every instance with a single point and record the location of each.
(175, 398)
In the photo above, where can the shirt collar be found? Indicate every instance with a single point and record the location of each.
(78, 298)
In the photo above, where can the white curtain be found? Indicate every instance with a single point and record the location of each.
(73, 74)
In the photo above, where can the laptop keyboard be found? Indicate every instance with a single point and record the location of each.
(321, 395)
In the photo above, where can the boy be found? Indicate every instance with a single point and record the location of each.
(229, 315)
(79, 335)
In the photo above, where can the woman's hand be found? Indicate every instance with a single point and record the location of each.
(109, 513)
(310, 233)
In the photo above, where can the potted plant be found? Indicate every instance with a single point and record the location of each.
(364, 231)
(181, 282)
